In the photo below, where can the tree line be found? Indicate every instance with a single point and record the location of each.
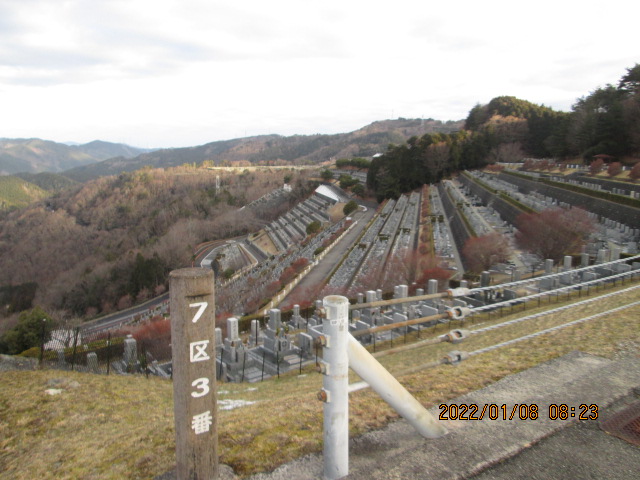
(507, 129)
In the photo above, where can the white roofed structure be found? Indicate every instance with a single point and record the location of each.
(328, 193)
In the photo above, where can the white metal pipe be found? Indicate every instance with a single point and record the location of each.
(335, 393)
(385, 385)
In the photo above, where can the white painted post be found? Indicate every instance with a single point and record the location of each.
(391, 391)
(335, 392)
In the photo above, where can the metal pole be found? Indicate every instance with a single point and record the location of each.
(244, 361)
(300, 366)
(335, 392)
(392, 326)
(385, 385)
(42, 335)
(75, 346)
(108, 352)
(395, 301)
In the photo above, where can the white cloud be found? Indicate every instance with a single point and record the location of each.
(176, 73)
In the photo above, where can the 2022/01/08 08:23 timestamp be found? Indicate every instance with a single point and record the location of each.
(521, 411)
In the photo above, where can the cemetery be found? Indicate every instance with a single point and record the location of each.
(614, 233)
(283, 346)
(471, 205)
(623, 214)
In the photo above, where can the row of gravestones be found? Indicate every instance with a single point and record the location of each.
(602, 184)
(290, 228)
(268, 198)
(442, 241)
(282, 346)
(457, 227)
(347, 269)
(235, 291)
(612, 229)
(385, 240)
(506, 210)
(132, 361)
(620, 213)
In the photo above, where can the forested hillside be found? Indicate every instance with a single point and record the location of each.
(51, 182)
(16, 192)
(275, 149)
(507, 129)
(102, 245)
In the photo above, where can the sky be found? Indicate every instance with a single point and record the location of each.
(176, 73)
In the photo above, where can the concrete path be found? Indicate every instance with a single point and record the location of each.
(320, 273)
(539, 449)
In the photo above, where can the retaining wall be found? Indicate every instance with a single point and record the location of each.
(507, 211)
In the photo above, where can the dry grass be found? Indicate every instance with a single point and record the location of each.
(122, 427)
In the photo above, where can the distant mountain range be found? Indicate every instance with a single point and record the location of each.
(309, 149)
(34, 155)
(96, 159)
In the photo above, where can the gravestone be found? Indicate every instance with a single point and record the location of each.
(232, 329)
(509, 294)
(548, 283)
(548, 266)
(92, 362)
(218, 339)
(255, 336)
(584, 260)
(602, 255)
(130, 356)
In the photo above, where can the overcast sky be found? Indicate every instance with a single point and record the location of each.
(173, 73)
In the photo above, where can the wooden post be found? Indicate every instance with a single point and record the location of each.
(193, 346)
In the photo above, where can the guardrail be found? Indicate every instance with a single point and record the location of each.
(342, 351)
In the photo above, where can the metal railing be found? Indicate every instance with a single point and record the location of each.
(341, 350)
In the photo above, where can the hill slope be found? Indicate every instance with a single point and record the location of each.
(16, 192)
(299, 149)
(82, 246)
(47, 181)
(64, 436)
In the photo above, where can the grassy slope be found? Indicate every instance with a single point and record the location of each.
(122, 427)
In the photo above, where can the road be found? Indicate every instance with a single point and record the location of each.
(114, 320)
(320, 274)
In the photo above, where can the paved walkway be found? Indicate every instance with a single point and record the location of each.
(320, 274)
(540, 449)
